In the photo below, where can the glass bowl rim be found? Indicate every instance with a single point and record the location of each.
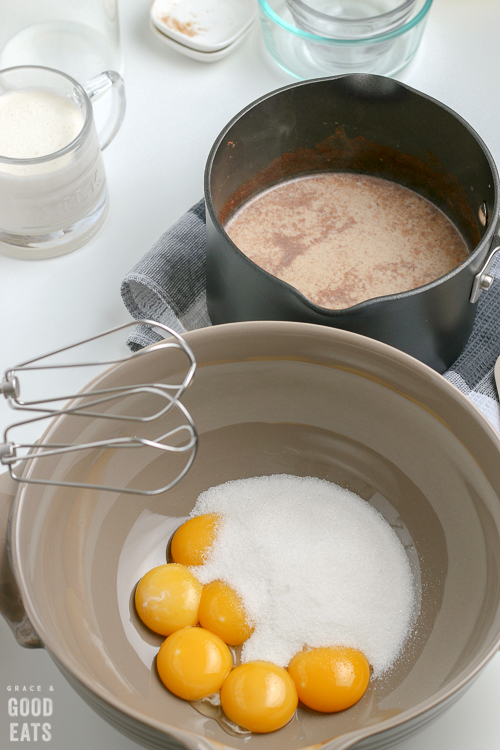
(265, 7)
(352, 21)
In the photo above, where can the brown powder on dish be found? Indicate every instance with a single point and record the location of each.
(187, 28)
(342, 238)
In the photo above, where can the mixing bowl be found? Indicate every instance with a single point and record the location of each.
(269, 397)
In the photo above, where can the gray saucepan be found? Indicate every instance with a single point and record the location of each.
(365, 124)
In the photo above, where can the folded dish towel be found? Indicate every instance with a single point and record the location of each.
(168, 285)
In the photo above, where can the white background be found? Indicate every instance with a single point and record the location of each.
(175, 109)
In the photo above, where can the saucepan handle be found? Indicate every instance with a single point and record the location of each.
(483, 280)
(11, 605)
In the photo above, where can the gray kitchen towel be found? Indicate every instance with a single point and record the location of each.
(168, 285)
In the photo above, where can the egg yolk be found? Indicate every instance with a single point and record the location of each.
(259, 696)
(222, 612)
(192, 541)
(193, 663)
(167, 598)
(330, 679)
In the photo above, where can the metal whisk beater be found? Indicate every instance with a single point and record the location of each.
(180, 439)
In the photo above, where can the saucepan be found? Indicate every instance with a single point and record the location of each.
(268, 397)
(365, 124)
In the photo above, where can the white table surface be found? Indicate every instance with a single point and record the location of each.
(175, 109)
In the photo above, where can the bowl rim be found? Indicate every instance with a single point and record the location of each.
(257, 328)
(388, 16)
(306, 35)
(484, 245)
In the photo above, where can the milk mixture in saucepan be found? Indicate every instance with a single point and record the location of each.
(341, 238)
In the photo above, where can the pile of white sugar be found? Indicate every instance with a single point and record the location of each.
(314, 564)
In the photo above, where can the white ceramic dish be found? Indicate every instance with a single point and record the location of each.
(203, 25)
(194, 54)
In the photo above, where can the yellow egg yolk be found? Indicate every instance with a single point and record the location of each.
(192, 541)
(222, 612)
(167, 598)
(259, 696)
(330, 679)
(193, 663)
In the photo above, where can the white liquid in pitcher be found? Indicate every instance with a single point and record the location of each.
(34, 123)
(37, 199)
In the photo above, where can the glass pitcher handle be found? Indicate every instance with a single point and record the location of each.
(96, 88)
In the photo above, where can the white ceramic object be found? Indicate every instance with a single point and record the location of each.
(203, 25)
(194, 54)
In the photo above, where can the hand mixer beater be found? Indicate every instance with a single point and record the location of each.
(121, 406)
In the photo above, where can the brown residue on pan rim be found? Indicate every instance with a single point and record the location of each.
(339, 153)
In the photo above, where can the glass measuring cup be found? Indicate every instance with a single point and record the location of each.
(52, 200)
(78, 38)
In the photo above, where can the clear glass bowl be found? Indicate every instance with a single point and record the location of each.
(350, 19)
(305, 55)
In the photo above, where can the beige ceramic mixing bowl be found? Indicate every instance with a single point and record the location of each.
(270, 397)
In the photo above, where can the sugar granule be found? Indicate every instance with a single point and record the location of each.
(314, 564)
